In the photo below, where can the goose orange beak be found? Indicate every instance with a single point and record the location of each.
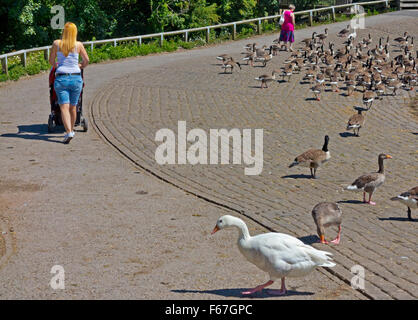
(216, 229)
(388, 157)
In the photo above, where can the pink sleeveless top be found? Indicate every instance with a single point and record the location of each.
(288, 25)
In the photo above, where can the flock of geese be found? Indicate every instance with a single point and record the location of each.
(356, 65)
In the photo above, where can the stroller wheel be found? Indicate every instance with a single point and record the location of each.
(84, 124)
(51, 124)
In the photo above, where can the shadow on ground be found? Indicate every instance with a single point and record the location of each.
(398, 219)
(309, 239)
(236, 293)
(33, 132)
(297, 176)
(351, 201)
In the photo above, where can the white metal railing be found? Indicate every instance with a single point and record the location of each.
(185, 32)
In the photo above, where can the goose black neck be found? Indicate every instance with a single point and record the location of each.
(325, 147)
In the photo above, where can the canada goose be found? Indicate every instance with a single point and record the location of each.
(230, 64)
(366, 82)
(408, 198)
(371, 181)
(334, 83)
(320, 78)
(262, 51)
(400, 70)
(266, 78)
(376, 79)
(401, 40)
(307, 41)
(353, 35)
(344, 32)
(287, 72)
(351, 87)
(311, 39)
(313, 158)
(380, 90)
(317, 90)
(264, 58)
(311, 73)
(410, 47)
(355, 122)
(395, 85)
(349, 43)
(224, 57)
(275, 49)
(329, 60)
(368, 41)
(368, 98)
(249, 57)
(327, 214)
(323, 36)
(411, 80)
(250, 47)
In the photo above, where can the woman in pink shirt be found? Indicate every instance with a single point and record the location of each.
(288, 27)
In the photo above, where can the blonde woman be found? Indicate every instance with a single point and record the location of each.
(68, 82)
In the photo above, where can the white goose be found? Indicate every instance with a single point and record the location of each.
(278, 254)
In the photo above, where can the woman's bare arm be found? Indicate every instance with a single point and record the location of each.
(84, 56)
(53, 53)
(293, 19)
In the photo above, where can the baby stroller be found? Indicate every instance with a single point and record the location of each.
(54, 118)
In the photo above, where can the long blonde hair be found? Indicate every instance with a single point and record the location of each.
(69, 38)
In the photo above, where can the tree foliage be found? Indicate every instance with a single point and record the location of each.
(27, 23)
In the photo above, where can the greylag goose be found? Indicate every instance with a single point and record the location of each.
(327, 214)
(371, 181)
(278, 254)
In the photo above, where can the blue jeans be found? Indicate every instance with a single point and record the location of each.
(68, 89)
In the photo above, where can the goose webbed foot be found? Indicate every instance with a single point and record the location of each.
(257, 289)
(336, 241)
(322, 240)
(338, 238)
(370, 200)
(410, 214)
(280, 292)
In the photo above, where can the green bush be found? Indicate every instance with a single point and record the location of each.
(186, 45)
(268, 27)
(16, 71)
(169, 46)
(33, 68)
(44, 64)
(3, 77)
